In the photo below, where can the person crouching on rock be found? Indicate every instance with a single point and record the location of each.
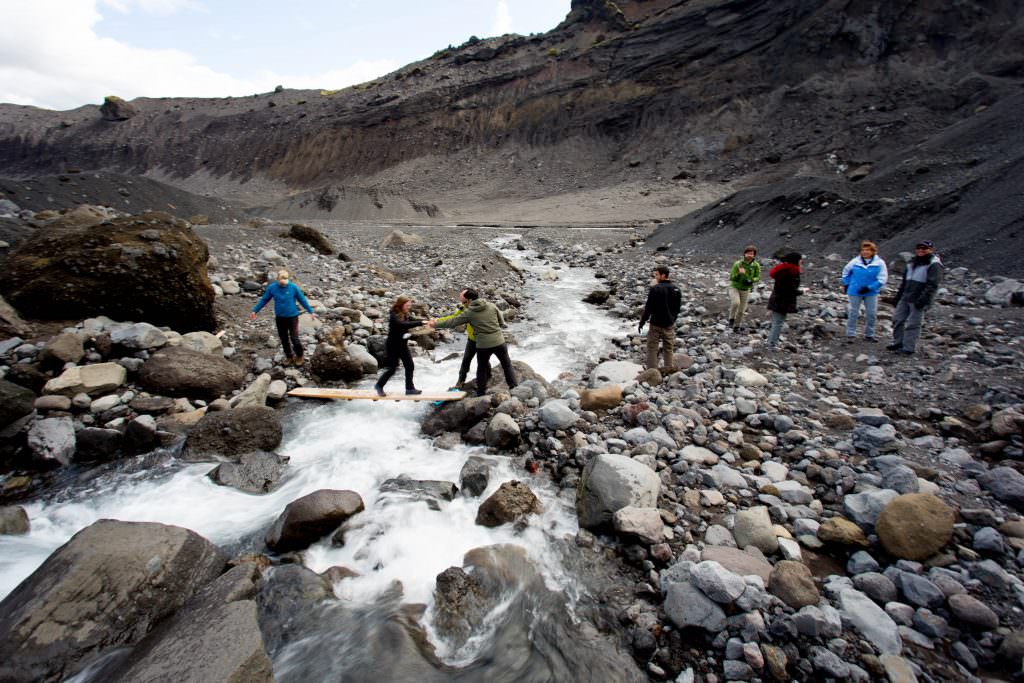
(470, 352)
(286, 314)
(863, 279)
(784, 293)
(487, 322)
(744, 275)
(397, 346)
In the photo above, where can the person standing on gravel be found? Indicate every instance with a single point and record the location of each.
(662, 308)
(782, 302)
(920, 283)
(487, 322)
(285, 294)
(397, 346)
(744, 275)
(470, 351)
(863, 278)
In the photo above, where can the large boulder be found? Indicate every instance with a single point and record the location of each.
(256, 472)
(66, 347)
(116, 109)
(52, 441)
(502, 432)
(255, 394)
(614, 372)
(1006, 484)
(397, 238)
(334, 363)
(556, 414)
(312, 237)
(792, 583)
(915, 526)
(1001, 293)
(753, 526)
(601, 398)
(215, 637)
(107, 587)
(183, 372)
(611, 482)
(456, 416)
(93, 380)
(228, 434)
(15, 402)
(311, 517)
(202, 341)
(511, 502)
(150, 267)
(138, 336)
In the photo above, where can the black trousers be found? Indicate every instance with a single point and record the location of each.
(483, 367)
(288, 331)
(391, 365)
(467, 360)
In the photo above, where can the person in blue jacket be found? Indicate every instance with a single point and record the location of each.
(286, 314)
(863, 278)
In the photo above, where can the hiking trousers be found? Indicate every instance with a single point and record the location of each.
(737, 305)
(870, 314)
(467, 359)
(391, 365)
(778, 319)
(906, 325)
(288, 331)
(664, 337)
(483, 367)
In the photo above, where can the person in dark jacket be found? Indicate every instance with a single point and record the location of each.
(286, 314)
(917, 291)
(470, 351)
(782, 302)
(397, 346)
(662, 308)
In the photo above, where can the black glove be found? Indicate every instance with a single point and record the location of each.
(864, 290)
(918, 305)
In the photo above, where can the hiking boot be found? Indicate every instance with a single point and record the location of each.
(413, 392)
(286, 362)
(905, 352)
(379, 389)
(870, 340)
(849, 340)
(298, 361)
(460, 385)
(894, 347)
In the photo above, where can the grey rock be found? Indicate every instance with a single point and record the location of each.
(901, 479)
(717, 582)
(475, 475)
(503, 432)
(432, 492)
(753, 526)
(829, 663)
(864, 508)
(1006, 484)
(991, 574)
(52, 441)
(920, 591)
(969, 609)
(15, 402)
(257, 472)
(177, 371)
(930, 624)
(610, 482)
(876, 439)
(227, 434)
(685, 606)
(311, 517)
(861, 562)
(253, 395)
(14, 520)
(876, 586)
(871, 621)
(989, 540)
(139, 336)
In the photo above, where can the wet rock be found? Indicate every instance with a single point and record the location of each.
(13, 520)
(96, 443)
(602, 398)
(502, 432)
(456, 416)
(216, 636)
(556, 414)
(792, 583)
(597, 297)
(311, 517)
(1006, 484)
(686, 605)
(289, 598)
(915, 526)
(871, 620)
(93, 380)
(177, 371)
(972, 611)
(510, 503)
(432, 492)
(110, 268)
(227, 434)
(257, 472)
(614, 372)
(611, 482)
(642, 523)
(460, 604)
(52, 441)
(140, 435)
(15, 402)
(112, 582)
(475, 475)
(753, 526)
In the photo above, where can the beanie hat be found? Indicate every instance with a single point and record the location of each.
(792, 257)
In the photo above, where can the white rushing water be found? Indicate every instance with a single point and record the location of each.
(357, 446)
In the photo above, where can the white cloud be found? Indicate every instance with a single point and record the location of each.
(161, 8)
(502, 19)
(51, 56)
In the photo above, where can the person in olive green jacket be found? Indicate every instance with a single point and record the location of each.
(744, 275)
(487, 322)
(470, 352)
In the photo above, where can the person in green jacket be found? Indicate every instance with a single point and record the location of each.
(487, 322)
(744, 275)
(470, 352)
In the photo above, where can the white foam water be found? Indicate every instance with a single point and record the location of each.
(357, 446)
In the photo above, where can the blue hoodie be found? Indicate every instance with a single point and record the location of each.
(284, 299)
(873, 275)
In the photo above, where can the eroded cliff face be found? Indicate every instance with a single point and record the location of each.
(714, 89)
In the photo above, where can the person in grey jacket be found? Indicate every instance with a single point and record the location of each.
(487, 322)
(917, 291)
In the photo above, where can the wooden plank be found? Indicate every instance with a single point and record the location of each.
(370, 395)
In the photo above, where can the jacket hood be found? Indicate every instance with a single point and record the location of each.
(785, 268)
(477, 305)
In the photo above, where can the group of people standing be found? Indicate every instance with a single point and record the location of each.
(862, 280)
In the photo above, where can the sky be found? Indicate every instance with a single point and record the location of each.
(61, 54)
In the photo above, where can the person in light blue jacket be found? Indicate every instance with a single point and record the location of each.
(863, 278)
(285, 294)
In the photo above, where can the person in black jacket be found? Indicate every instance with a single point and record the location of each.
(784, 293)
(662, 309)
(920, 283)
(397, 346)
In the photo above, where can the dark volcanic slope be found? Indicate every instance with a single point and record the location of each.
(751, 90)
